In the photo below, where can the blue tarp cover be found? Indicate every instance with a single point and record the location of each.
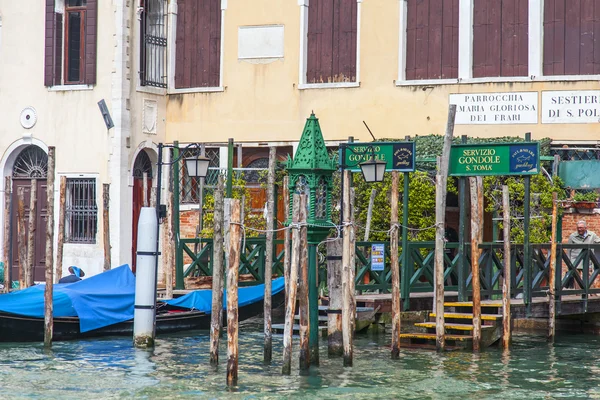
(202, 299)
(98, 301)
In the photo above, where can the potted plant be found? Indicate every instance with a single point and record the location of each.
(585, 200)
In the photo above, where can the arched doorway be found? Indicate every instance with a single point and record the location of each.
(31, 163)
(142, 165)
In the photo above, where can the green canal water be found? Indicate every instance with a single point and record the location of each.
(178, 368)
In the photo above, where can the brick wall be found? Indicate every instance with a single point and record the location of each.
(570, 219)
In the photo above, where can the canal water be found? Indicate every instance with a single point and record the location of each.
(178, 369)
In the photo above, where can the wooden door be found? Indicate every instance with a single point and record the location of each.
(138, 203)
(40, 233)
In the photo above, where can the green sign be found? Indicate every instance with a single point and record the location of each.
(399, 156)
(495, 159)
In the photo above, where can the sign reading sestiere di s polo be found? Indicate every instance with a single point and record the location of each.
(495, 159)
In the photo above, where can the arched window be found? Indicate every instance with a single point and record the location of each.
(31, 163)
(142, 164)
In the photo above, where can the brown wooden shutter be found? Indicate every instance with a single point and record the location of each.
(58, 48)
(571, 37)
(331, 47)
(49, 45)
(432, 39)
(198, 44)
(91, 28)
(500, 38)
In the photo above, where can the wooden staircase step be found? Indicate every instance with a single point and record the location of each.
(433, 336)
(358, 309)
(458, 327)
(470, 304)
(484, 317)
(322, 318)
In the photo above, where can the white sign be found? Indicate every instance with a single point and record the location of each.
(495, 108)
(571, 107)
(260, 42)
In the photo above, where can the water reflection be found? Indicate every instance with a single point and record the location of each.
(179, 367)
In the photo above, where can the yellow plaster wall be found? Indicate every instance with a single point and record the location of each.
(261, 102)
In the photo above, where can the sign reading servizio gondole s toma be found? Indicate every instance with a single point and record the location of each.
(495, 159)
(399, 156)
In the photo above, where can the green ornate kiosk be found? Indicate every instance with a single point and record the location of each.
(310, 172)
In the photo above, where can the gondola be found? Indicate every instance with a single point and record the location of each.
(103, 305)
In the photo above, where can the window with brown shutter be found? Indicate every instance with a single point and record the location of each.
(571, 37)
(153, 46)
(432, 39)
(500, 38)
(331, 54)
(70, 53)
(198, 44)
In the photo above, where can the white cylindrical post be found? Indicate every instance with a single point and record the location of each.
(145, 297)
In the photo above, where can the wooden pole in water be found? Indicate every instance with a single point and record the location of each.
(31, 234)
(49, 289)
(232, 293)
(352, 271)
(395, 267)
(346, 265)
(290, 309)
(552, 272)
(476, 214)
(335, 345)
(440, 216)
(268, 345)
(6, 245)
(62, 211)
(106, 224)
(287, 236)
(21, 236)
(303, 290)
(145, 189)
(217, 281)
(370, 214)
(506, 281)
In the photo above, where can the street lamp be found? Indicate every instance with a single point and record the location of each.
(197, 166)
(373, 170)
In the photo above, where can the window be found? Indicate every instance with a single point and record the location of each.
(332, 41)
(198, 44)
(432, 39)
(81, 211)
(153, 44)
(70, 53)
(500, 38)
(571, 37)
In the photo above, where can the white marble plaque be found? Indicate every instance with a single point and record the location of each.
(260, 42)
(571, 107)
(495, 108)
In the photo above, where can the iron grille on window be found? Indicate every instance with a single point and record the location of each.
(82, 212)
(576, 153)
(154, 44)
(188, 186)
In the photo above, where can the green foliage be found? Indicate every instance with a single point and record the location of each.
(587, 196)
(240, 191)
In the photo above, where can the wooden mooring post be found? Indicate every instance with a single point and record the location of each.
(29, 275)
(506, 333)
(62, 212)
(287, 236)
(552, 272)
(370, 214)
(21, 236)
(268, 344)
(49, 289)
(440, 216)
(232, 293)
(395, 266)
(7, 242)
(346, 274)
(335, 345)
(476, 187)
(298, 219)
(352, 270)
(106, 223)
(216, 321)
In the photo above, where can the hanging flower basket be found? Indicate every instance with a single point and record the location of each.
(584, 204)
